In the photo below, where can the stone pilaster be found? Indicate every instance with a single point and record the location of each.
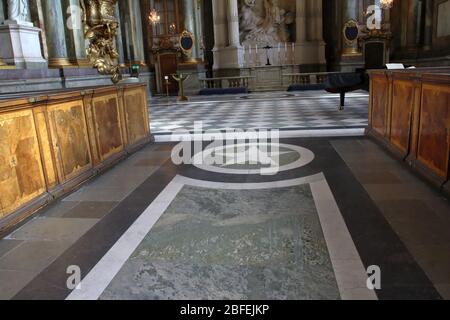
(55, 34)
(190, 24)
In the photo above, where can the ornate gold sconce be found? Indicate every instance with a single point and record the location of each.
(100, 28)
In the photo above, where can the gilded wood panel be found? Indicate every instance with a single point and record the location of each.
(47, 154)
(95, 154)
(70, 138)
(108, 125)
(434, 129)
(21, 173)
(380, 89)
(402, 104)
(136, 115)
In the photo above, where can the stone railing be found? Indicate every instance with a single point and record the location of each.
(307, 78)
(227, 82)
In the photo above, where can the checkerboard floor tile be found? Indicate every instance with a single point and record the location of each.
(305, 110)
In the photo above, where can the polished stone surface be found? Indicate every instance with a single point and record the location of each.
(225, 244)
(243, 244)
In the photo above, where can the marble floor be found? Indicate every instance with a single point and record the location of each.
(151, 229)
(275, 110)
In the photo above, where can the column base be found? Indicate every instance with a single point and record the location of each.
(228, 57)
(56, 63)
(21, 46)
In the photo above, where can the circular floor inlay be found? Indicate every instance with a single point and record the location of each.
(253, 158)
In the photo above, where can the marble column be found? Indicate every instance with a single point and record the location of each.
(309, 47)
(2, 12)
(56, 36)
(318, 20)
(119, 41)
(75, 41)
(220, 24)
(132, 30)
(37, 16)
(199, 12)
(233, 24)
(301, 21)
(428, 31)
(350, 12)
(412, 27)
(2, 19)
(227, 51)
(190, 25)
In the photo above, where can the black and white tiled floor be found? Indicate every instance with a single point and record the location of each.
(284, 111)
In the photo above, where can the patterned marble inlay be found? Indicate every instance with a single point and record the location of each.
(231, 244)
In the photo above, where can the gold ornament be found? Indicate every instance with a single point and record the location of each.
(100, 28)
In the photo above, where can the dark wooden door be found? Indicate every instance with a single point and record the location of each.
(168, 64)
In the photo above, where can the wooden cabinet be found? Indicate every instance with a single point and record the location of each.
(415, 105)
(51, 143)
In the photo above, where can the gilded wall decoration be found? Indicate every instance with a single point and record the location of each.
(100, 28)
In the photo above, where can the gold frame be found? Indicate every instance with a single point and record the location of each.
(186, 34)
(349, 24)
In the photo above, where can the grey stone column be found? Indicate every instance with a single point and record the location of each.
(75, 41)
(119, 41)
(190, 24)
(350, 11)
(412, 28)
(220, 24)
(2, 18)
(428, 32)
(55, 34)
(2, 12)
(301, 21)
(233, 24)
(37, 17)
(130, 15)
(318, 21)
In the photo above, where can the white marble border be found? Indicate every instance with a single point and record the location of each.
(284, 134)
(349, 270)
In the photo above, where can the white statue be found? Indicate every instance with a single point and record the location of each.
(18, 10)
(263, 22)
